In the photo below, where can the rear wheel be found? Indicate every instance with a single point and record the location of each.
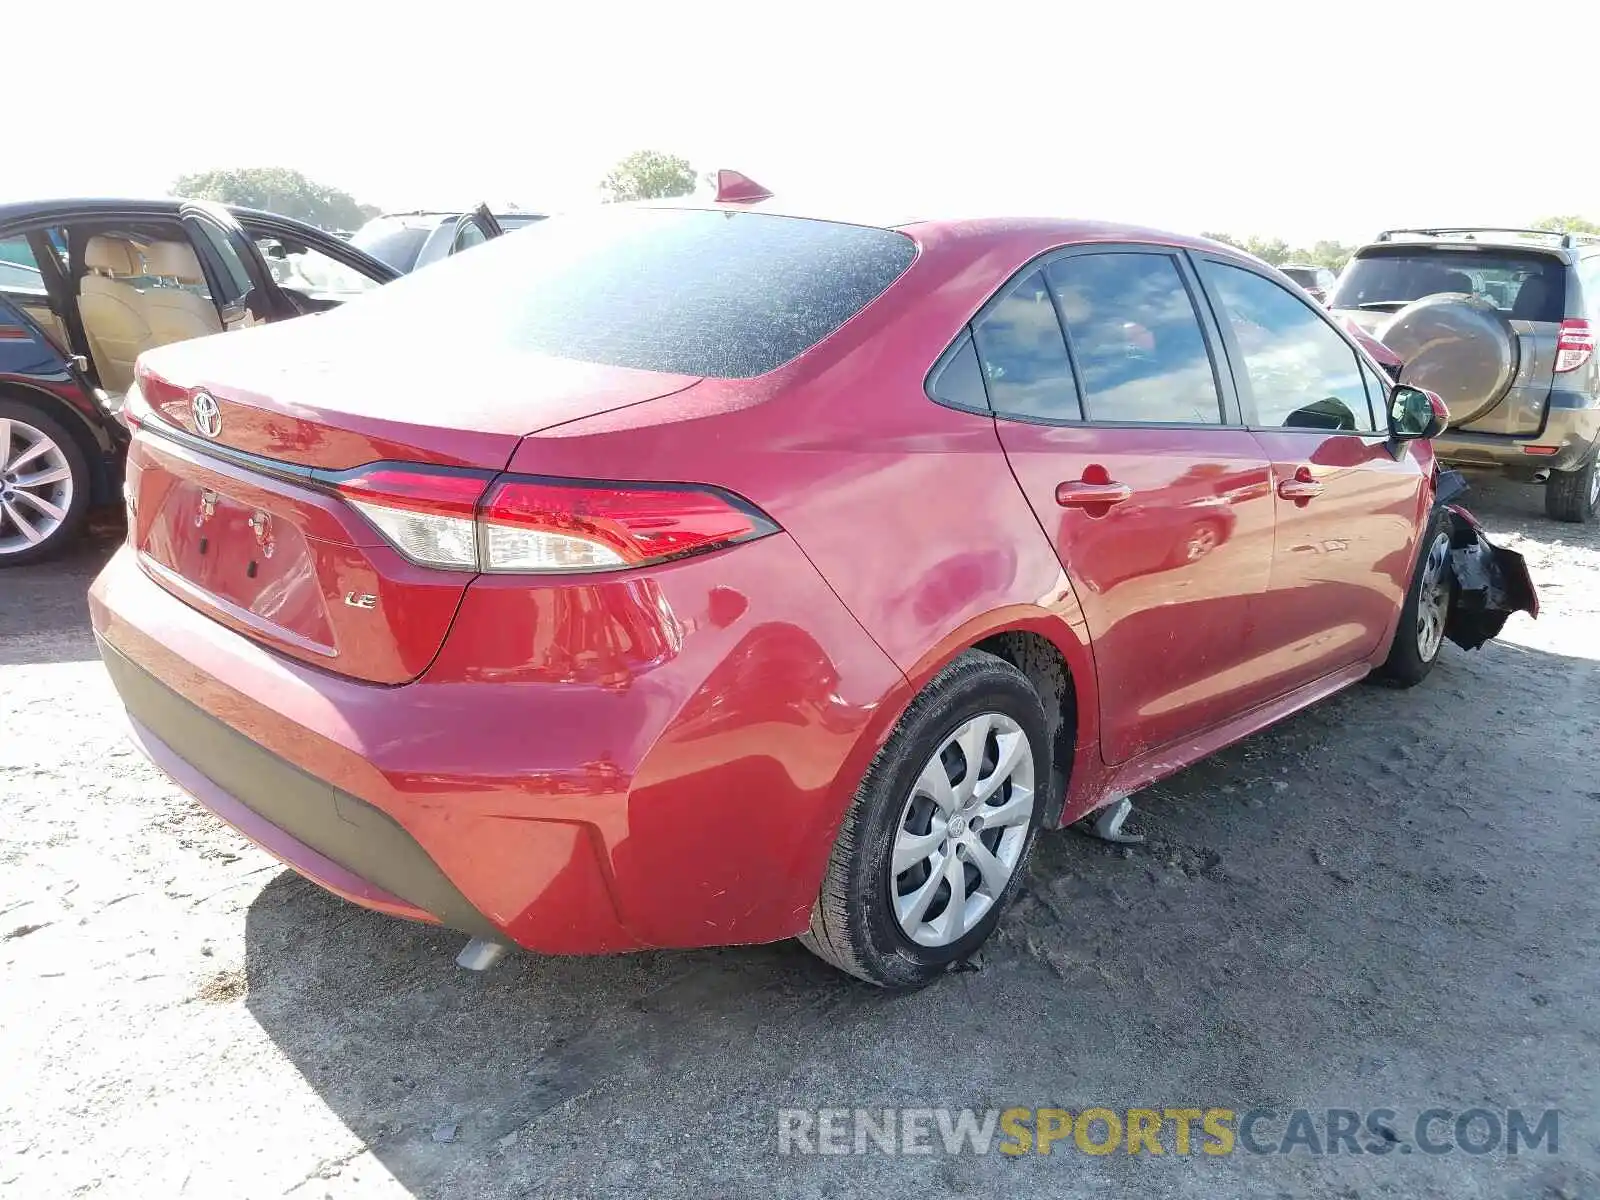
(937, 840)
(1420, 634)
(1574, 495)
(44, 485)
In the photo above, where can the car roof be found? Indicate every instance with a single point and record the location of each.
(1054, 229)
(85, 206)
(89, 207)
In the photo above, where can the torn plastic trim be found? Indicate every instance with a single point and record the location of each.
(1491, 581)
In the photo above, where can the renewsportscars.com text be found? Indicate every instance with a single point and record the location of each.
(1169, 1130)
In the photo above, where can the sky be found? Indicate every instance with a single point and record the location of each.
(1289, 119)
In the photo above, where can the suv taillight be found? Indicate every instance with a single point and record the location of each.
(471, 521)
(1574, 344)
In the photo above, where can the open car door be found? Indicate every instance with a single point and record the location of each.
(313, 270)
(236, 275)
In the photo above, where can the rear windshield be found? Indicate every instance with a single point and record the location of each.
(1526, 287)
(395, 241)
(691, 292)
(1304, 276)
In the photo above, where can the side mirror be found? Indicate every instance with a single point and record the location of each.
(1416, 413)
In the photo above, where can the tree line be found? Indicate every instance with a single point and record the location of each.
(644, 175)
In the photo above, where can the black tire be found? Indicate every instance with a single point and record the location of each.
(1407, 664)
(1570, 495)
(853, 925)
(77, 510)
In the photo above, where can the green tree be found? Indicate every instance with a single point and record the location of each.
(279, 190)
(649, 175)
(1276, 251)
(1567, 224)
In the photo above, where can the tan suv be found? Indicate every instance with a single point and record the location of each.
(1501, 323)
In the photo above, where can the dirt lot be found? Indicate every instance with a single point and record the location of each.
(1388, 901)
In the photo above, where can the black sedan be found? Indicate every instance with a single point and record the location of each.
(85, 287)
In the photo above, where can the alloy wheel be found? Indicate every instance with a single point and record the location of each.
(1433, 598)
(35, 486)
(962, 830)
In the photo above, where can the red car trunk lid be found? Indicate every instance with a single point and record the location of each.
(233, 510)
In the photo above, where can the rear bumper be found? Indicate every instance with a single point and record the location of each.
(286, 812)
(1572, 423)
(687, 798)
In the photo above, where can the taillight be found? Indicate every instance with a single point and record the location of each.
(426, 513)
(555, 525)
(442, 518)
(1574, 344)
(135, 411)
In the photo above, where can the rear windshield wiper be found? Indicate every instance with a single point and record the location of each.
(1381, 305)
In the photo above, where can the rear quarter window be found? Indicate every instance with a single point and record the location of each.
(686, 291)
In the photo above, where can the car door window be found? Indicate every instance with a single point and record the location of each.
(1378, 391)
(1301, 373)
(303, 269)
(236, 278)
(19, 269)
(958, 379)
(1024, 356)
(1136, 339)
(467, 236)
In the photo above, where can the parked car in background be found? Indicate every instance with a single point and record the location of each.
(791, 596)
(1501, 323)
(88, 285)
(1317, 281)
(410, 240)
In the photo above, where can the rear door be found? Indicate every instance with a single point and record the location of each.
(1126, 440)
(1347, 507)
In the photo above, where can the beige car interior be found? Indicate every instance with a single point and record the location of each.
(122, 321)
(112, 310)
(173, 314)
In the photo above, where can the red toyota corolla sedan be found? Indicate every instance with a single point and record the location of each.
(669, 576)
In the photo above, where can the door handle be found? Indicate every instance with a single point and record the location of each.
(1301, 487)
(1081, 493)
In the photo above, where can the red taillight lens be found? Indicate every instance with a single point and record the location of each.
(541, 525)
(425, 513)
(1574, 345)
(442, 518)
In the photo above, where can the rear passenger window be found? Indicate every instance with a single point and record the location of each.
(1136, 339)
(19, 270)
(1023, 356)
(1302, 374)
(958, 380)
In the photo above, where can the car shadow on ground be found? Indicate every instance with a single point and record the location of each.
(44, 610)
(1321, 915)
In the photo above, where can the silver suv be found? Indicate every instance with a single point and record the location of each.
(1501, 323)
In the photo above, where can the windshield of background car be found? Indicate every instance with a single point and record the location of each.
(1304, 276)
(685, 291)
(1524, 286)
(392, 239)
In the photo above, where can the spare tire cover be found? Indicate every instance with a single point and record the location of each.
(1457, 345)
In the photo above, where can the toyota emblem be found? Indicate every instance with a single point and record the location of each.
(207, 414)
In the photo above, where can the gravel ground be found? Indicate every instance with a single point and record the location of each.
(1387, 901)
